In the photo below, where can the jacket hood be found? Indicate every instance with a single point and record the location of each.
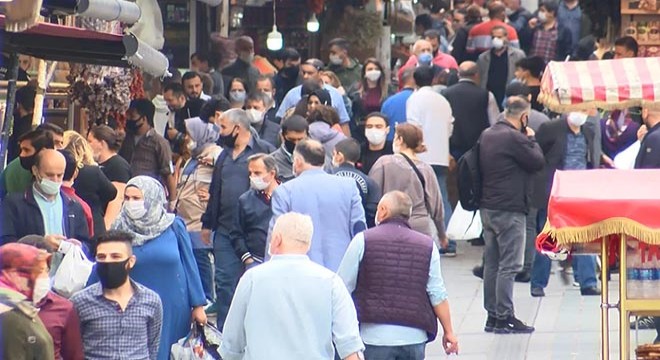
(322, 132)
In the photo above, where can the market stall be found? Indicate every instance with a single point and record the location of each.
(615, 210)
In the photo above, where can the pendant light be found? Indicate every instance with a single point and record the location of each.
(274, 40)
(313, 24)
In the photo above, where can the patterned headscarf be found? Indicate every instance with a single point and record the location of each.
(155, 221)
(202, 133)
(20, 265)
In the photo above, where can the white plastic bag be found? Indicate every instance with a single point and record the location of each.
(464, 225)
(626, 158)
(201, 343)
(73, 272)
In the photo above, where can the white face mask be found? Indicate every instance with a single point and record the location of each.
(255, 116)
(372, 75)
(41, 289)
(542, 16)
(395, 148)
(497, 43)
(258, 183)
(336, 60)
(237, 96)
(49, 187)
(375, 136)
(577, 118)
(135, 209)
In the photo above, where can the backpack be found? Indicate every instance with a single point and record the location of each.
(469, 179)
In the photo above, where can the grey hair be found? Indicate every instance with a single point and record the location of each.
(238, 117)
(269, 161)
(295, 228)
(515, 107)
(399, 204)
(259, 96)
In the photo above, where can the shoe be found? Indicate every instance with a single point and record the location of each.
(212, 309)
(590, 291)
(643, 323)
(523, 277)
(478, 271)
(490, 324)
(512, 326)
(537, 292)
(448, 252)
(478, 242)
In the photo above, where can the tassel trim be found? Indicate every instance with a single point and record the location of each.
(611, 226)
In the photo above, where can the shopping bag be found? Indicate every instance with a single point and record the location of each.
(464, 225)
(201, 343)
(72, 274)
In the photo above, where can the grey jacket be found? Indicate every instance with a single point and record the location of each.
(514, 54)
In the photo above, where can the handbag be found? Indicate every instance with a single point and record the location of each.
(201, 343)
(73, 272)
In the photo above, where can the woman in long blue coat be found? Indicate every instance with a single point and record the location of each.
(165, 261)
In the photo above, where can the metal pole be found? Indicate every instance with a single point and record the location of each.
(8, 123)
(604, 301)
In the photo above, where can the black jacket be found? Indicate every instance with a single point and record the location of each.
(248, 236)
(649, 153)
(564, 41)
(369, 190)
(21, 216)
(551, 137)
(508, 159)
(469, 106)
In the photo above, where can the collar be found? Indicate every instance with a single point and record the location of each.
(312, 171)
(98, 291)
(467, 80)
(36, 192)
(346, 166)
(654, 128)
(407, 88)
(291, 257)
(397, 220)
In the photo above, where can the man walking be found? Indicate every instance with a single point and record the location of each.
(305, 323)
(509, 155)
(397, 319)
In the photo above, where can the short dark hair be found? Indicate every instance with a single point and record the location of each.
(195, 106)
(295, 123)
(286, 54)
(309, 86)
(203, 57)
(37, 241)
(116, 236)
(267, 78)
(423, 76)
(52, 128)
(350, 148)
(105, 133)
(501, 28)
(517, 89)
(316, 63)
(145, 108)
(629, 43)
(269, 161)
(71, 164)
(433, 34)
(534, 64)
(175, 88)
(40, 139)
(25, 97)
(340, 43)
(380, 115)
(311, 151)
(424, 20)
(324, 113)
(190, 75)
(496, 9)
(550, 5)
(216, 104)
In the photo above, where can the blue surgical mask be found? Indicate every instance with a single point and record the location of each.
(425, 59)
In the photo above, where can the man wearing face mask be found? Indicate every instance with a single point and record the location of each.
(347, 69)
(376, 130)
(288, 76)
(192, 85)
(119, 318)
(248, 236)
(242, 66)
(148, 153)
(567, 144)
(479, 37)
(44, 209)
(422, 56)
(229, 181)
(181, 109)
(256, 106)
(22, 119)
(498, 66)
(345, 155)
(544, 36)
(508, 155)
(517, 14)
(294, 129)
(266, 86)
(17, 176)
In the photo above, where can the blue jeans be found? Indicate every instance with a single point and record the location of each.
(203, 259)
(228, 269)
(441, 174)
(403, 352)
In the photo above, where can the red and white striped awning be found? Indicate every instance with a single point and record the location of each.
(604, 84)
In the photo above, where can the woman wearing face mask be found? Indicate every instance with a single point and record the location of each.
(193, 192)
(23, 280)
(369, 96)
(330, 78)
(403, 171)
(237, 93)
(166, 262)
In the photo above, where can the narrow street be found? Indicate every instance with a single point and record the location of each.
(567, 324)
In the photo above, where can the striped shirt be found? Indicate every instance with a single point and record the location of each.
(479, 38)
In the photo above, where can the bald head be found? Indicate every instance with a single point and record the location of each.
(469, 70)
(497, 10)
(292, 234)
(394, 204)
(422, 46)
(49, 165)
(651, 116)
(47, 156)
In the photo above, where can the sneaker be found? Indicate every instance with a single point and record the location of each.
(643, 323)
(490, 324)
(478, 271)
(523, 277)
(537, 292)
(512, 326)
(212, 309)
(448, 252)
(590, 291)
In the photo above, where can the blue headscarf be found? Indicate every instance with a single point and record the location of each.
(203, 133)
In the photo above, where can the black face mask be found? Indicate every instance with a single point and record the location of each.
(290, 71)
(228, 141)
(27, 162)
(289, 146)
(133, 126)
(112, 274)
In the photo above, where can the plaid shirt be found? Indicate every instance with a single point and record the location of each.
(545, 43)
(149, 155)
(110, 333)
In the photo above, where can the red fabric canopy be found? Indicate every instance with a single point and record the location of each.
(604, 84)
(587, 205)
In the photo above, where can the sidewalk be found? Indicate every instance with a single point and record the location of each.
(567, 324)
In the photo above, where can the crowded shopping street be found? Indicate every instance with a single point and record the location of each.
(325, 180)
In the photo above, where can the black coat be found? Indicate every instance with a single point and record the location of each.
(649, 152)
(21, 216)
(469, 106)
(552, 140)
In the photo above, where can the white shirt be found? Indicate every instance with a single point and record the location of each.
(432, 112)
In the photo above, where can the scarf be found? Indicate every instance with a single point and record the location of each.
(20, 265)
(617, 122)
(155, 221)
(202, 133)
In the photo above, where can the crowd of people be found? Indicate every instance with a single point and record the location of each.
(306, 211)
